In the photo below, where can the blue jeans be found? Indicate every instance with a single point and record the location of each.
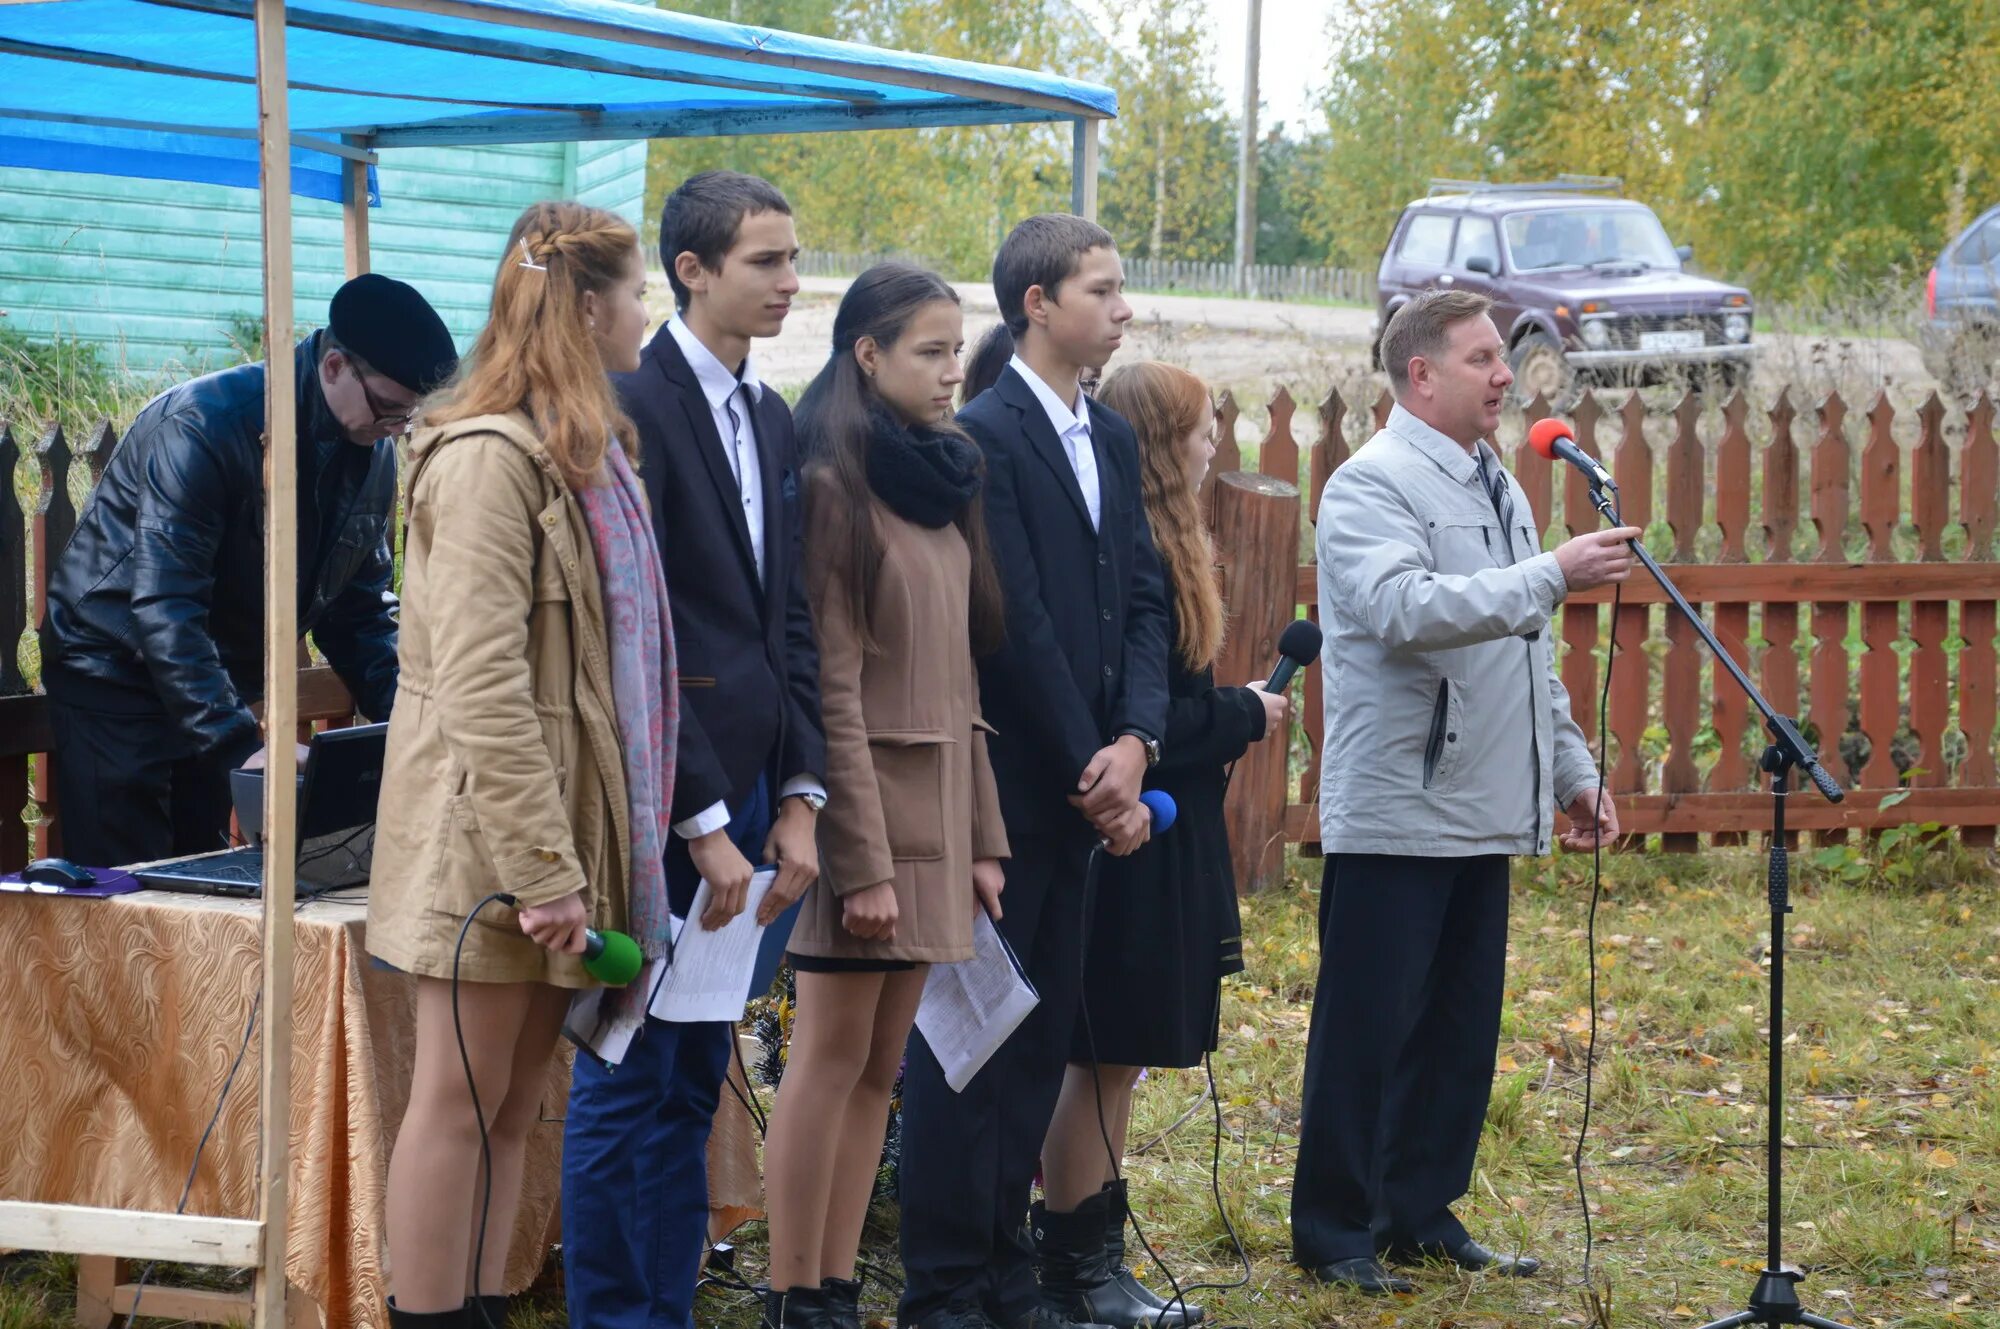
(635, 1152)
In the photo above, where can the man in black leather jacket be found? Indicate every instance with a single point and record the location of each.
(153, 640)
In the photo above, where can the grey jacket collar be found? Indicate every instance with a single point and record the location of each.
(1450, 458)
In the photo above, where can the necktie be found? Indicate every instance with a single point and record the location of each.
(1501, 495)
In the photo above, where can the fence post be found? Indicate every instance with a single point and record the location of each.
(1257, 543)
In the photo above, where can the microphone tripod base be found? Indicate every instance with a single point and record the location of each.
(1775, 1301)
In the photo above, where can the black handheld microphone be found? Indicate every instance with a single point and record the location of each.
(1298, 646)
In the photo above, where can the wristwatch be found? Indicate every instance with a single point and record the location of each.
(814, 801)
(1152, 746)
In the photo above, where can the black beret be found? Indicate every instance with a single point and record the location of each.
(386, 323)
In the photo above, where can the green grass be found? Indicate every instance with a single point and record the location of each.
(1895, 1115)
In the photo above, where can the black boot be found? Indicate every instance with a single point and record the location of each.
(487, 1312)
(1075, 1269)
(1170, 1314)
(843, 1302)
(402, 1319)
(797, 1308)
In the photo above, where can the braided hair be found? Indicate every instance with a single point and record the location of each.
(536, 353)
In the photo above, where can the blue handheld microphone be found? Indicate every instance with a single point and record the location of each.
(1164, 809)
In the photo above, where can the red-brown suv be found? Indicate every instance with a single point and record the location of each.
(1585, 285)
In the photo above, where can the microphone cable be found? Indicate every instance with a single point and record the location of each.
(1091, 872)
(1596, 896)
(472, 1090)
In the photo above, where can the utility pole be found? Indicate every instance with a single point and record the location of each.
(1246, 157)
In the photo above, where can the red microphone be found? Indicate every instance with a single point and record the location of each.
(1555, 440)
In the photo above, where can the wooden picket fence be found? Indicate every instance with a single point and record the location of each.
(36, 520)
(1850, 562)
(1258, 281)
(1865, 598)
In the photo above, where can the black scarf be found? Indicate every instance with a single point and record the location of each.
(925, 476)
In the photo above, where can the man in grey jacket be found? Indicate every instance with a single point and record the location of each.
(1448, 743)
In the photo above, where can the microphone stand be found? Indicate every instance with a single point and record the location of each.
(1775, 1300)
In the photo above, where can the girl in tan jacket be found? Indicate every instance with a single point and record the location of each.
(531, 749)
(903, 595)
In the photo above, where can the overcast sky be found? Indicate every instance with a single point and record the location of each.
(1295, 53)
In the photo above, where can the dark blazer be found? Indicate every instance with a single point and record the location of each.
(1086, 652)
(749, 670)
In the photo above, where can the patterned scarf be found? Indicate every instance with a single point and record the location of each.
(645, 691)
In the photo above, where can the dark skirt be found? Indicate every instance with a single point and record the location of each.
(847, 964)
(1164, 932)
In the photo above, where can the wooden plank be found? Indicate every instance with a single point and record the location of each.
(1729, 709)
(1531, 469)
(1680, 703)
(1083, 158)
(1329, 451)
(280, 674)
(1658, 814)
(1979, 480)
(1781, 482)
(1881, 481)
(96, 1284)
(1631, 668)
(1578, 515)
(1384, 403)
(1930, 481)
(1830, 458)
(1278, 454)
(1256, 535)
(1979, 500)
(14, 523)
(133, 1233)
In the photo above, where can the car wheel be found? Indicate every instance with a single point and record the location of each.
(1540, 366)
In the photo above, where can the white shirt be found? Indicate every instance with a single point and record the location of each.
(731, 394)
(1073, 428)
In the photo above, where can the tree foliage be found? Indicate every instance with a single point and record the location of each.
(1795, 143)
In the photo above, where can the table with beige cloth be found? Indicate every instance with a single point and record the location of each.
(119, 1019)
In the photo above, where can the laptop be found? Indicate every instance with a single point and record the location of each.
(336, 823)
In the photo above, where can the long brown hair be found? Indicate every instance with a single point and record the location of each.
(536, 353)
(835, 432)
(1163, 404)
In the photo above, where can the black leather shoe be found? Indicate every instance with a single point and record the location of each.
(843, 1302)
(954, 1317)
(1468, 1255)
(1363, 1273)
(1165, 1314)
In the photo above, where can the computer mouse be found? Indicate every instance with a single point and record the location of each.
(58, 872)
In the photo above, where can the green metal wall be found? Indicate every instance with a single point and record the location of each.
(155, 270)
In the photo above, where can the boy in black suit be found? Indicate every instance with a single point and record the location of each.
(1079, 697)
(717, 462)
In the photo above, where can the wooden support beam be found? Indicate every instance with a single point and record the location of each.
(281, 675)
(1083, 169)
(136, 1234)
(354, 216)
(707, 122)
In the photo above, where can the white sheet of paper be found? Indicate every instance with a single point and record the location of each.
(700, 979)
(970, 1008)
(710, 974)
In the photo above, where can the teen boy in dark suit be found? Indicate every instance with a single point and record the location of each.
(717, 462)
(1078, 695)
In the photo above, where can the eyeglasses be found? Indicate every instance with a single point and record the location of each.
(395, 414)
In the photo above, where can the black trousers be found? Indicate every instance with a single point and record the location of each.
(1399, 1064)
(969, 1158)
(130, 789)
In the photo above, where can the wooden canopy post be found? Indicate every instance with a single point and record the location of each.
(1083, 168)
(354, 212)
(281, 673)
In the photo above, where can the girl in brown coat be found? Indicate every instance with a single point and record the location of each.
(903, 594)
(514, 798)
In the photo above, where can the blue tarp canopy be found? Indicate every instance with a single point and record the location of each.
(167, 88)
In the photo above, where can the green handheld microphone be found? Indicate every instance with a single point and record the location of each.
(612, 958)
